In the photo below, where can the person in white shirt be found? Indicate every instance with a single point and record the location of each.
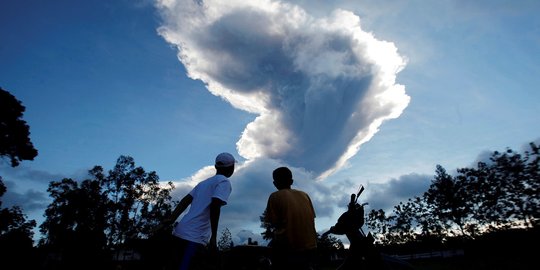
(198, 227)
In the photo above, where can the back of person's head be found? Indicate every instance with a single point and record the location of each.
(225, 164)
(282, 177)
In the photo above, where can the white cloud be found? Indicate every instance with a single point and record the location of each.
(321, 87)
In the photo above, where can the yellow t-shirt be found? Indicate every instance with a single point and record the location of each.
(291, 212)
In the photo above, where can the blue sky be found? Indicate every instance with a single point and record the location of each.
(344, 93)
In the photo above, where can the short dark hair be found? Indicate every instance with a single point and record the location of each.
(282, 173)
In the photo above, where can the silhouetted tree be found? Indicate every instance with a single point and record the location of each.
(105, 210)
(225, 241)
(504, 191)
(429, 226)
(15, 230)
(15, 141)
(532, 186)
(14, 222)
(138, 202)
(518, 185)
(483, 195)
(377, 223)
(449, 200)
(329, 242)
(60, 222)
(75, 222)
(267, 234)
(15, 145)
(16, 244)
(500, 194)
(328, 248)
(401, 229)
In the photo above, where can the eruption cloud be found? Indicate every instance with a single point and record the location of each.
(319, 87)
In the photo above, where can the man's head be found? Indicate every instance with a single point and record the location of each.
(282, 177)
(225, 164)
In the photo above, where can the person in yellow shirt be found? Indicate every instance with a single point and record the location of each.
(292, 217)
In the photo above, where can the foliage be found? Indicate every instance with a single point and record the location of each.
(448, 197)
(267, 234)
(138, 202)
(15, 144)
(107, 209)
(225, 241)
(329, 242)
(15, 141)
(76, 215)
(496, 195)
(16, 234)
(328, 248)
(13, 221)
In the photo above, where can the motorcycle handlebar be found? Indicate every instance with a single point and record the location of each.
(360, 190)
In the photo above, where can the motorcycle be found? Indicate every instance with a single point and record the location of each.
(362, 254)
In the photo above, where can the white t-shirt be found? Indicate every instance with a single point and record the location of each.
(195, 225)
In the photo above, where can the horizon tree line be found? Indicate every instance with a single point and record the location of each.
(109, 209)
(499, 194)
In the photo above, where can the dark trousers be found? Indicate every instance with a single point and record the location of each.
(185, 254)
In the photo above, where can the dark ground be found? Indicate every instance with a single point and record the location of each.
(464, 263)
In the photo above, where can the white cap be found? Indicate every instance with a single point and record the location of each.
(225, 160)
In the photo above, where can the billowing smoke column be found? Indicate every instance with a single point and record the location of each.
(320, 87)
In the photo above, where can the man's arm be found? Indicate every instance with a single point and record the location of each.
(180, 208)
(215, 210)
(167, 222)
(270, 213)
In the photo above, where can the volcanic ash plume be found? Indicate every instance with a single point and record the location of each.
(319, 87)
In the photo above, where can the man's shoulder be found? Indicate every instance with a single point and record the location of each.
(217, 177)
(212, 181)
(276, 194)
(285, 193)
(301, 194)
(222, 179)
(298, 191)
